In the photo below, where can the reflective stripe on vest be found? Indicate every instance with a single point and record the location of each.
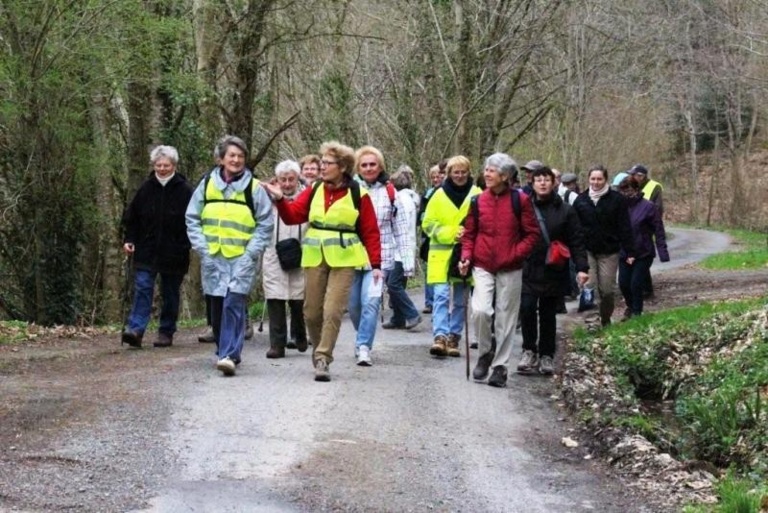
(332, 234)
(228, 223)
(447, 216)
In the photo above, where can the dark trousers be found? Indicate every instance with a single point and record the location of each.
(632, 282)
(278, 323)
(539, 328)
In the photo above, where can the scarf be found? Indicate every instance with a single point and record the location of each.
(165, 180)
(596, 195)
(456, 193)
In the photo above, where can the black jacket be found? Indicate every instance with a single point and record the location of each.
(606, 225)
(563, 225)
(154, 223)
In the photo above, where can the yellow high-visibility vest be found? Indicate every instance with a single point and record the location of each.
(333, 233)
(228, 224)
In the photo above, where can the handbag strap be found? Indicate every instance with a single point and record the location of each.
(277, 235)
(542, 224)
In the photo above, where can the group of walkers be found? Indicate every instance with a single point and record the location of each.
(333, 231)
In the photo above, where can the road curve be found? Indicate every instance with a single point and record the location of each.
(409, 434)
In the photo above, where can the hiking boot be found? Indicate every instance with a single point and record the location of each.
(498, 377)
(438, 346)
(302, 345)
(528, 362)
(163, 340)
(207, 337)
(452, 347)
(412, 323)
(473, 345)
(389, 325)
(483, 366)
(131, 338)
(226, 366)
(546, 366)
(248, 331)
(276, 352)
(321, 371)
(364, 356)
(291, 344)
(427, 310)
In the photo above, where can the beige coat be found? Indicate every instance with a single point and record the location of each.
(279, 284)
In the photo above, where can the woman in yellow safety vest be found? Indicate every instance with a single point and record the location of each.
(343, 235)
(442, 223)
(229, 223)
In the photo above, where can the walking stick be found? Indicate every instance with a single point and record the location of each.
(128, 264)
(466, 323)
(261, 323)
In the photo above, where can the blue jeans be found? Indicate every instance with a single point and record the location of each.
(144, 290)
(363, 310)
(429, 290)
(228, 315)
(402, 306)
(447, 320)
(632, 281)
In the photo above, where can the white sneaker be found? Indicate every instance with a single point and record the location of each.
(226, 366)
(364, 356)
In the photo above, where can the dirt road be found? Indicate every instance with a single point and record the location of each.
(88, 426)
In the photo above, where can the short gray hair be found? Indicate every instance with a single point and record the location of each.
(505, 164)
(402, 178)
(227, 141)
(287, 166)
(164, 152)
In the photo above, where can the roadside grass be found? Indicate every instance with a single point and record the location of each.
(736, 496)
(710, 362)
(13, 331)
(754, 254)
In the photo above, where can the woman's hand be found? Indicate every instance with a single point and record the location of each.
(630, 260)
(377, 275)
(464, 267)
(582, 278)
(273, 190)
(129, 248)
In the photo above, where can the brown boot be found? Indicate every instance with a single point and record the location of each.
(453, 345)
(276, 352)
(163, 340)
(438, 346)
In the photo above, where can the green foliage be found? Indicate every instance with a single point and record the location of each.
(753, 255)
(737, 495)
(711, 358)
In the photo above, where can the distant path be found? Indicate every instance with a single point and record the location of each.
(689, 245)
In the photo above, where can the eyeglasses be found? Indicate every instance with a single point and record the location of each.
(460, 172)
(328, 162)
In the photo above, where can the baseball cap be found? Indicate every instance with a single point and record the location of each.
(532, 165)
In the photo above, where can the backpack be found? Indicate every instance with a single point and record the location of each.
(568, 195)
(516, 208)
(354, 189)
(248, 191)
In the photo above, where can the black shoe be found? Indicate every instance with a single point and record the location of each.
(291, 344)
(132, 338)
(163, 340)
(302, 345)
(473, 345)
(482, 367)
(389, 325)
(498, 377)
(427, 310)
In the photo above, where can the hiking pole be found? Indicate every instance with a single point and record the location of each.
(261, 323)
(466, 322)
(128, 266)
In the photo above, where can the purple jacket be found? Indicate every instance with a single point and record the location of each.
(646, 224)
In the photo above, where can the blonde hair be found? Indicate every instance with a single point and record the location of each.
(369, 150)
(459, 160)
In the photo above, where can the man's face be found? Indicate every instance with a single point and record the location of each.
(640, 178)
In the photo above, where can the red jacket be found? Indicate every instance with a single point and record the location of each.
(497, 242)
(297, 212)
